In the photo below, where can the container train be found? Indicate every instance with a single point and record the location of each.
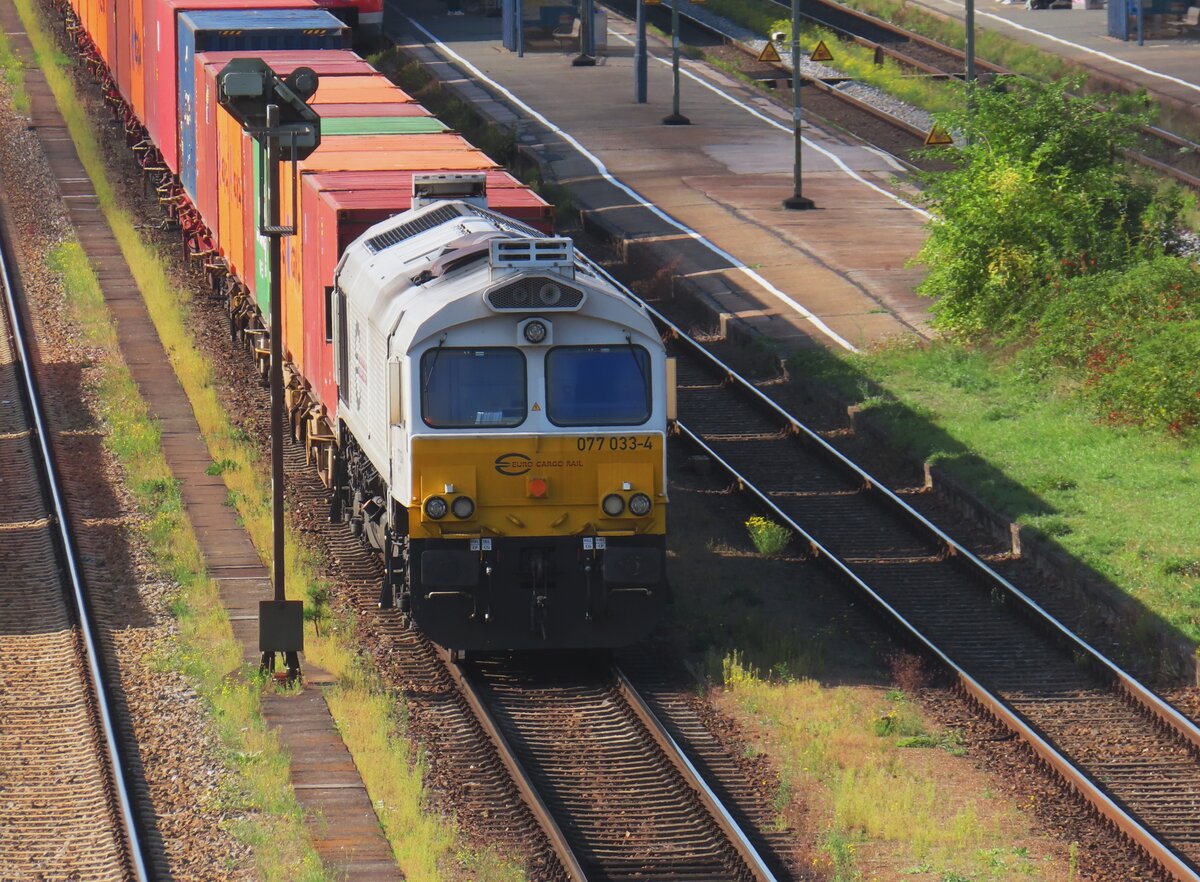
(488, 411)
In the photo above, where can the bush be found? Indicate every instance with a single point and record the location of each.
(1038, 195)
(1135, 335)
(1157, 384)
(768, 537)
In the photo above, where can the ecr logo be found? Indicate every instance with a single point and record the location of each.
(513, 464)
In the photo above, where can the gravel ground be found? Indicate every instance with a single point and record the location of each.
(868, 94)
(178, 752)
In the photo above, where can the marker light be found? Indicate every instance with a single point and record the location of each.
(463, 507)
(639, 504)
(613, 505)
(535, 332)
(539, 488)
(436, 508)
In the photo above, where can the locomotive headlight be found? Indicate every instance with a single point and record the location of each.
(436, 508)
(535, 332)
(639, 504)
(463, 507)
(613, 505)
(550, 294)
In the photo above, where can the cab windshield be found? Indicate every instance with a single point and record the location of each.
(468, 388)
(598, 385)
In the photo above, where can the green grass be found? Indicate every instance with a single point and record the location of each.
(851, 752)
(206, 650)
(1121, 500)
(263, 810)
(14, 77)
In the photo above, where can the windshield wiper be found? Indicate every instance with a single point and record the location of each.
(432, 364)
(637, 361)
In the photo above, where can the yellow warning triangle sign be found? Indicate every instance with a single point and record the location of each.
(769, 53)
(821, 53)
(938, 137)
(536, 407)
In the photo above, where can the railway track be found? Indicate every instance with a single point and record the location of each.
(1165, 152)
(615, 793)
(1126, 751)
(599, 775)
(65, 811)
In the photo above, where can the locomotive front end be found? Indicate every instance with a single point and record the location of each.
(525, 458)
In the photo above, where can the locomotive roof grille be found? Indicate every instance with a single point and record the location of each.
(407, 230)
(533, 253)
(536, 294)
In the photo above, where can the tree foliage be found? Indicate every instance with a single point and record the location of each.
(1037, 192)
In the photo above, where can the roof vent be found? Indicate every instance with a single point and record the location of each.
(408, 229)
(428, 188)
(540, 253)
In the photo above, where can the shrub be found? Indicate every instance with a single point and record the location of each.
(768, 537)
(1037, 194)
(1134, 334)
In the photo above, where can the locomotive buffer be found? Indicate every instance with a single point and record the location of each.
(275, 113)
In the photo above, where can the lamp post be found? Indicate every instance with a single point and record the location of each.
(675, 118)
(639, 55)
(969, 49)
(587, 39)
(274, 112)
(797, 201)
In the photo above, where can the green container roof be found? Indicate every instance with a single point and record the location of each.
(382, 125)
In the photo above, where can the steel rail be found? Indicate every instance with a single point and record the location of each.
(1174, 140)
(516, 771)
(1079, 780)
(690, 774)
(70, 554)
(1143, 696)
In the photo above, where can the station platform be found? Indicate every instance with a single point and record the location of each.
(705, 199)
(1167, 67)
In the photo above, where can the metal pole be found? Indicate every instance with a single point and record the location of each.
(520, 29)
(970, 47)
(276, 378)
(676, 118)
(1140, 17)
(639, 55)
(587, 40)
(797, 201)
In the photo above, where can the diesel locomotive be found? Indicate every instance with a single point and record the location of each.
(502, 427)
(488, 411)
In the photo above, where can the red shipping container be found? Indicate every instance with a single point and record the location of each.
(162, 92)
(344, 205)
(398, 153)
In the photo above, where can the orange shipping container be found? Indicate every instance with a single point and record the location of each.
(230, 196)
(137, 63)
(375, 89)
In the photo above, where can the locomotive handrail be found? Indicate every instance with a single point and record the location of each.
(1080, 780)
(1184, 727)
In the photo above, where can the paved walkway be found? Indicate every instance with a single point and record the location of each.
(340, 817)
(837, 274)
